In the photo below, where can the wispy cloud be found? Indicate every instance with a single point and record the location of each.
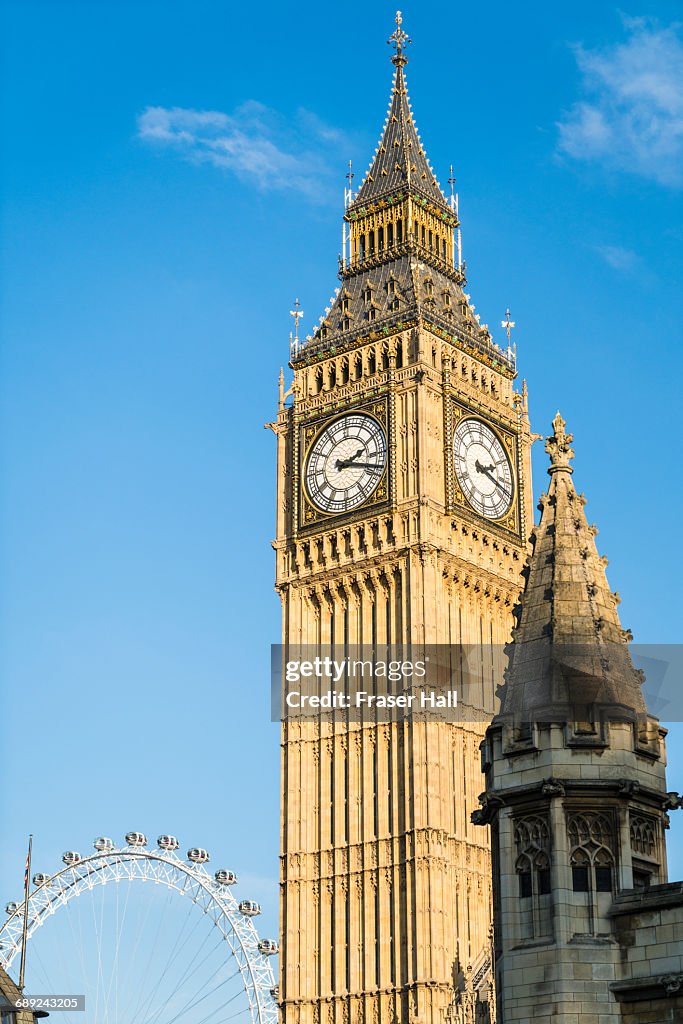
(255, 143)
(632, 117)
(617, 257)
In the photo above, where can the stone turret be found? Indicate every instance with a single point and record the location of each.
(576, 794)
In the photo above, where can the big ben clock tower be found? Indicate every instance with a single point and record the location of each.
(403, 505)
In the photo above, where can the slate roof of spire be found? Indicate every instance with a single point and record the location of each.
(400, 159)
(570, 651)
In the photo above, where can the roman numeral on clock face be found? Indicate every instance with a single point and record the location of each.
(345, 463)
(483, 468)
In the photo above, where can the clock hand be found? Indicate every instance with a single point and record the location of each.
(486, 470)
(498, 484)
(344, 463)
(359, 465)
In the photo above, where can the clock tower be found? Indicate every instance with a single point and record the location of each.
(404, 501)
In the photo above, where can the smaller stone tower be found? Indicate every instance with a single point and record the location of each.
(576, 796)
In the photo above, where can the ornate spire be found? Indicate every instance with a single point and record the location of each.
(570, 650)
(399, 38)
(558, 446)
(400, 158)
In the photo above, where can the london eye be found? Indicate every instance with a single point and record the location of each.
(184, 948)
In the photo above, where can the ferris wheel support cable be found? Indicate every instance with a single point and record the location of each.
(233, 1016)
(146, 1007)
(118, 944)
(219, 1009)
(100, 940)
(184, 976)
(100, 968)
(78, 944)
(193, 1001)
(203, 987)
(115, 959)
(211, 992)
(152, 948)
(64, 973)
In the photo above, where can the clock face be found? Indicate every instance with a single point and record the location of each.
(346, 463)
(483, 468)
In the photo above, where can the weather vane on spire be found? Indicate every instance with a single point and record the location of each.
(508, 324)
(399, 39)
(297, 314)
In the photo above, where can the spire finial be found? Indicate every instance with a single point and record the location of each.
(559, 447)
(508, 324)
(451, 182)
(399, 39)
(297, 313)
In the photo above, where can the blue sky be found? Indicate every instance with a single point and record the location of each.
(172, 179)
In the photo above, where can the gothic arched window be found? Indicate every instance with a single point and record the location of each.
(390, 235)
(399, 230)
(380, 240)
(592, 861)
(591, 838)
(532, 866)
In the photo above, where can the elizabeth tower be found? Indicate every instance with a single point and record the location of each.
(403, 506)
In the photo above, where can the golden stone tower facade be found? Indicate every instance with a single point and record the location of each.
(404, 499)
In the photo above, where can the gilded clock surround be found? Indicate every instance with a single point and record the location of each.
(511, 521)
(310, 514)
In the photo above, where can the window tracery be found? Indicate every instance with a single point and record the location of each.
(533, 846)
(592, 859)
(643, 835)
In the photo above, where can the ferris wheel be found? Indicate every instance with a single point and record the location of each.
(186, 976)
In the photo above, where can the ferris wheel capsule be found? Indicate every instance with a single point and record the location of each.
(136, 839)
(224, 877)
(167, 843)
(103, 844)
(268, 947)
(197, 855)
(11, 908)
(71, 857)
(249, 908)
(40, 879)
(275, 993)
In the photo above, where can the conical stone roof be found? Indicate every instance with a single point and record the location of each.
(570, 653)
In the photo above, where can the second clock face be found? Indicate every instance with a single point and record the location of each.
(346, 463)
(483, 468)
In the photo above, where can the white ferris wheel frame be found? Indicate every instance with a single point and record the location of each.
(164, 867)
